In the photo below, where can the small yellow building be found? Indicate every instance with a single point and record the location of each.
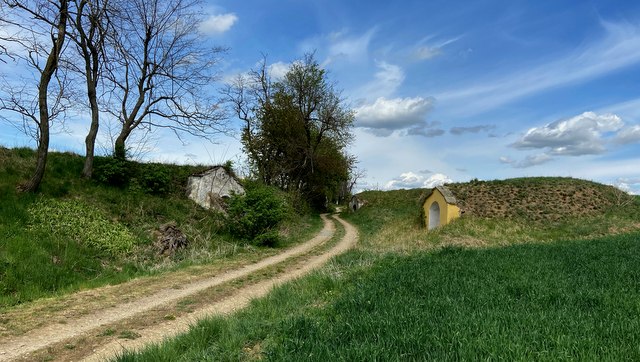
(440, 208)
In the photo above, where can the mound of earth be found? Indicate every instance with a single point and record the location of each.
(537, 198)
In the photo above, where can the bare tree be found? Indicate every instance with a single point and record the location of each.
(91, 22)
(90, 25)
(38, 29)
(160, 70)
(249, 98)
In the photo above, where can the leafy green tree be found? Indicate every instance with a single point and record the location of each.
(296, 129)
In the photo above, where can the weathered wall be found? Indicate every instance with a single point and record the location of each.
(206, 189)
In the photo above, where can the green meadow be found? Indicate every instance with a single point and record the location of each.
(515, 289)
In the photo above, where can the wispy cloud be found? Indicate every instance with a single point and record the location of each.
(618, 49)
(387, 79)
(528, 161)
(426, 50)
(472, 129)
(628, 135)
(340, 46)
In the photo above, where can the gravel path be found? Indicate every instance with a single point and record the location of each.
(238, 300)
(49, 334)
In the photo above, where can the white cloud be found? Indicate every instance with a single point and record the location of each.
(628, 135)
(278, 70)
(580, 135)
(388, 115)
(629, 185)
(529, 161)
(410, 180)
(616, 50)
(218, 24)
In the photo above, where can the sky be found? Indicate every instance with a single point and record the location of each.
(443, 91)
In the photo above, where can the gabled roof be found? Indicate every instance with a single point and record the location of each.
(208, 171)
(448, 195)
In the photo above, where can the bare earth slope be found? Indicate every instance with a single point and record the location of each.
(167, 307)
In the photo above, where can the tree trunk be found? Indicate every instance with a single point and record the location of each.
(119, 151)
(45, 78)
(43, 150)
(90, 140)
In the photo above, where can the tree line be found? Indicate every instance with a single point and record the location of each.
(143, 63)
(139, 61)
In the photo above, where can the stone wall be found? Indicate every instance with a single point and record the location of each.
(210, 187)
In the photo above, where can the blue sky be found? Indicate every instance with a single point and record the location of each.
(445, 90)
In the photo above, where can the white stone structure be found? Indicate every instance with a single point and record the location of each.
(356, 203)
(210, 187)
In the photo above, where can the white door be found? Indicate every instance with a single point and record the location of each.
(434, 215)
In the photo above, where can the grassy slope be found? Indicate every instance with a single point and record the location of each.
(501, 213)
(36, 263)
(433, 299)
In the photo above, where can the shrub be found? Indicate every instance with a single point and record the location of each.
(76, 220)
(112, 171)
(154, 179)
(255, 215)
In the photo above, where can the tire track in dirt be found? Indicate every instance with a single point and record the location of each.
(20, 347)
(235, 302)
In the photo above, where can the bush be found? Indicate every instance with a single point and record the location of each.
(255, 215)
(75, 220)
(154, 179)
(112, 171)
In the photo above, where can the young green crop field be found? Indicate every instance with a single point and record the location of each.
(514, 290)
(561, 301)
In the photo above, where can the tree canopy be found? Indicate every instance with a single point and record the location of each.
(296, 129)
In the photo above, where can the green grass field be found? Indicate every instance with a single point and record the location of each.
(570, 300)
(513, 290)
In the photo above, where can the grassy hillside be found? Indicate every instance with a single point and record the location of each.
(77, 233)
(536, 293)
(501, 212)
(539, 199)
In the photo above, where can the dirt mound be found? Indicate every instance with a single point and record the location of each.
(537, 198)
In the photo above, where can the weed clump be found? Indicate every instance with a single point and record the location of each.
(87, 225)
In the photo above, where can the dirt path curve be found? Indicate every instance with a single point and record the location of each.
(20, 347)
(234, 302)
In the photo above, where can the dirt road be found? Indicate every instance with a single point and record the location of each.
(77, 339)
